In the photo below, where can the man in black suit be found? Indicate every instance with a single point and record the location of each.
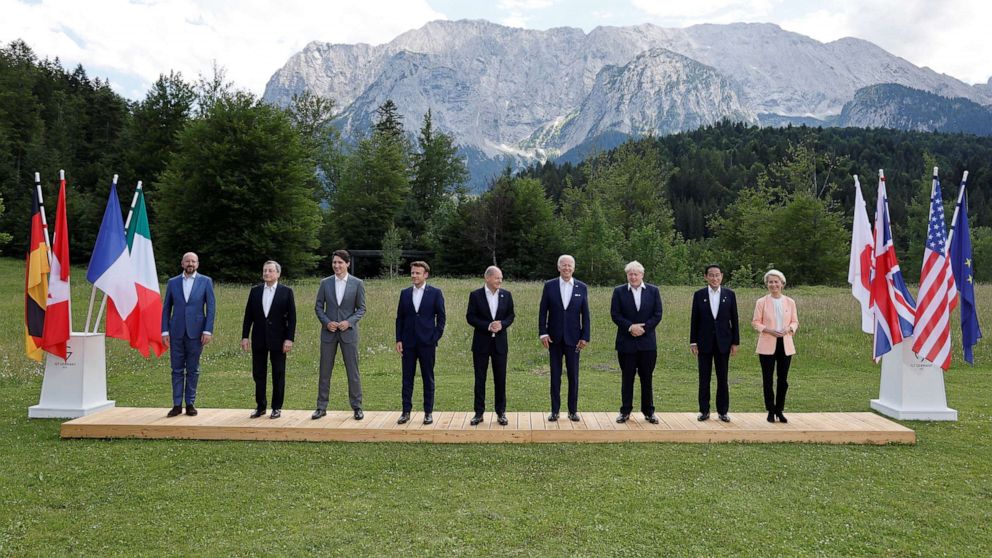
(490, 312)
(563, 324)
(270, 319)
(713, 337)
(636, 309)
(419, 326)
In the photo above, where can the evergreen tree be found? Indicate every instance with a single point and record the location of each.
(374, 184)
(155, 125)
(438, 172)
(236, 192)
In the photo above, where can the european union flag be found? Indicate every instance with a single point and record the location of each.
(963, 274)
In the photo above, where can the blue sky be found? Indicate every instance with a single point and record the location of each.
(131, 42)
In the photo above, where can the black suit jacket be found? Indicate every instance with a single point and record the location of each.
(714, 335)
(625, 313)
(479, 317)
(423, 328)
(564, 325)
(269, 333)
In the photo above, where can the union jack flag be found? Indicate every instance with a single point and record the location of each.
(891, 301)
(938, 293)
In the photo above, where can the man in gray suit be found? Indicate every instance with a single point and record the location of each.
(340, 305)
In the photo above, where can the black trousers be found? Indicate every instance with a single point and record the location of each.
(481, 362)
(571, 355)
(640, 364)
(775, 399)
(424, 354)
(706, 362)
(260, 375)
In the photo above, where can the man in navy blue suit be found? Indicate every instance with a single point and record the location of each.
(713, 337)
(187, 325)
(563, 324)
(419, 326)
(636, 309)
(490, 312)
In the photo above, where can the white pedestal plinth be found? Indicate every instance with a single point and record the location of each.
(78, 386)
(911, 388)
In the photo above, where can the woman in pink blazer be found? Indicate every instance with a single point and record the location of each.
(776, 321)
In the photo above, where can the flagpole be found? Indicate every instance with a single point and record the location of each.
(957, 206)
(89, 311)
(62, 181)
(130, 212)
(44, 221)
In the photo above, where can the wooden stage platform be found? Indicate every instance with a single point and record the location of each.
(453, 427)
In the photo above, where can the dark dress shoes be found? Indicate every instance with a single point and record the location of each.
(553, 417)
(191, 411)
(651, 418)
(771, 416)
(703, 416)
(175, 411)
(475, 420)
(276, 413)
(622, 418)
(318, 414)
(501, 419)
(359, 415)
(257, 413)
(725, 418)
(574, 417)
(781, 417)
(404, 418)
(428, 418)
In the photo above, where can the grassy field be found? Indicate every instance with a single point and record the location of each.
(132, 497)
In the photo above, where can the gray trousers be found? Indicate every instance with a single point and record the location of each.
(328, 353)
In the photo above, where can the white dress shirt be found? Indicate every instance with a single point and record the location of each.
(268, 293)
(339, 287)
(418, 295)
(566, 291)
(714, 301)
(493, 299)
(188, 285)
(637, 295)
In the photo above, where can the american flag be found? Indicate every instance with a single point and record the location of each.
(891, 301)
(938, 293)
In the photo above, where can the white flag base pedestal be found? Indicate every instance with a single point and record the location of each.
(911, 388)
(77, 386)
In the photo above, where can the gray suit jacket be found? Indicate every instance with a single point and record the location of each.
(352, 308)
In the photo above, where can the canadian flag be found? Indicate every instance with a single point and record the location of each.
(57, 322)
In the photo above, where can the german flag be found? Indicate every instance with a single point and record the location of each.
(36, 282)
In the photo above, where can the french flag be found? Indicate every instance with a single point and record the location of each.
(110, 270)
(891, 301)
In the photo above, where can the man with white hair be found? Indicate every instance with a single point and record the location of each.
(636, 309)
(563, 324)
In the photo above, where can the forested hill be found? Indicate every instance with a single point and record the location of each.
(711, 165)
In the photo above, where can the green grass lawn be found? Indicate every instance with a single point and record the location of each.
(163, 497)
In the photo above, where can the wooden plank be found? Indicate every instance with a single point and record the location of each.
(452, 427)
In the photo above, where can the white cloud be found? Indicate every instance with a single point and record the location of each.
(251, 39)
(948, 36)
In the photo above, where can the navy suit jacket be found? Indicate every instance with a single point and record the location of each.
(564, 325)
(423, 328)
(625, 314)
(280, 325)
(188, 318)
(479, 317)
(714, 335)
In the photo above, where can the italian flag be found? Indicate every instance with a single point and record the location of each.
(139, 244)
